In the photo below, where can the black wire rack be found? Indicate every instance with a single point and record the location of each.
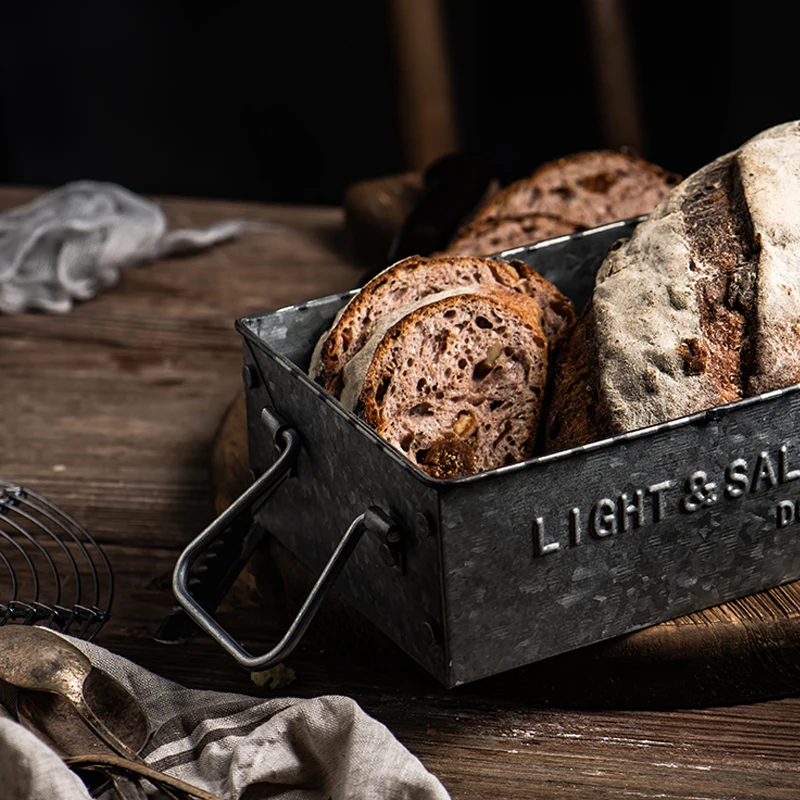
(52, 570)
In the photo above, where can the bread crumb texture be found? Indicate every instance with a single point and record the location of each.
(457, 385)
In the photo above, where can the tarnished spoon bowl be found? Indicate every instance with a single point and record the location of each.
(53, 677)
(35, 658)
(39, 660)
(54, 720)
(54, 717)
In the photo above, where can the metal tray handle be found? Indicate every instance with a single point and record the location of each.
(373, 519)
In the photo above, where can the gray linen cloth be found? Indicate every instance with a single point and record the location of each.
(73, 242)
(235, 746)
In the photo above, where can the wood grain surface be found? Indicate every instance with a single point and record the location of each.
(111, 410)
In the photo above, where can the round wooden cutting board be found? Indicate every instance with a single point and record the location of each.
(745, 650)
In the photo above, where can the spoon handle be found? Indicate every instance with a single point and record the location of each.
(104, 732)
(117, 764)
(111, 739)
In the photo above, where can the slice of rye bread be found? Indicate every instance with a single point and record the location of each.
(564, 196)
(493, 235)
(701, 306)
(572, 404)
(414, 279)
(458, 383)
(586, 189)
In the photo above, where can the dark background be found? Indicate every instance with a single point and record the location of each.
(291, 102)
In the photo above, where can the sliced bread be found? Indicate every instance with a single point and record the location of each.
(572, 407)
(565, 196)
(487, 236)
(587, 189)
(413, 280)
(457, 384)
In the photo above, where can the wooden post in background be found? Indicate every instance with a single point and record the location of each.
(427, 106)
(615, 74)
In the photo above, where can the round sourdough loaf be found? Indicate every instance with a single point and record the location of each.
(699, 308)
(410, 282)
(457, 383)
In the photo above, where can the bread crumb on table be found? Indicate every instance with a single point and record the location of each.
(275, 678)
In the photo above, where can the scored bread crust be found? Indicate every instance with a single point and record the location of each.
(458, 383)
(411, 280)
(701, 306)
(769, 165)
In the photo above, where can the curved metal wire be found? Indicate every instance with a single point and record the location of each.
(77, 532)
(40, 548)
(35, 532)
(5, 537)
(12, 573)
(58, 542)
(54, 537)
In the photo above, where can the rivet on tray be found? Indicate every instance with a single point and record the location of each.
(388, 555)
(423, 525)
(429, 634)
(249, 376)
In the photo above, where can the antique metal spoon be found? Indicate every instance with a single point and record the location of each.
(55, 717)
(40, 660)
(37, 660)
(54, 720)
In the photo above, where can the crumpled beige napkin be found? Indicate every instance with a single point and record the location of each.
(235, 746)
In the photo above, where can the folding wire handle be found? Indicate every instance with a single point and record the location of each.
(373, 519)
(58, 575)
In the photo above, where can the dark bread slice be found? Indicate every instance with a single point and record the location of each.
(558, 313)
(457, 384)
(565, 196)
(701, 306)
(487, 236)
(587, 189)
(572, 407)
(411, 281)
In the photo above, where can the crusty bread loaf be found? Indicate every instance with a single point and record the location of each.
(413, 280)
(701, 306)
(564, 196)
(457, 384)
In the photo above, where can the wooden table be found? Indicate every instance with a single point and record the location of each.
(110, 412)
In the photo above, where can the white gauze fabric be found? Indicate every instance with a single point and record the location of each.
(71, 243)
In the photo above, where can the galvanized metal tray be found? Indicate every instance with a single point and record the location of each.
(482, 574)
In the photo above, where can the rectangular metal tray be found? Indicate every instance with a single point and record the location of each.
(504, 568)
